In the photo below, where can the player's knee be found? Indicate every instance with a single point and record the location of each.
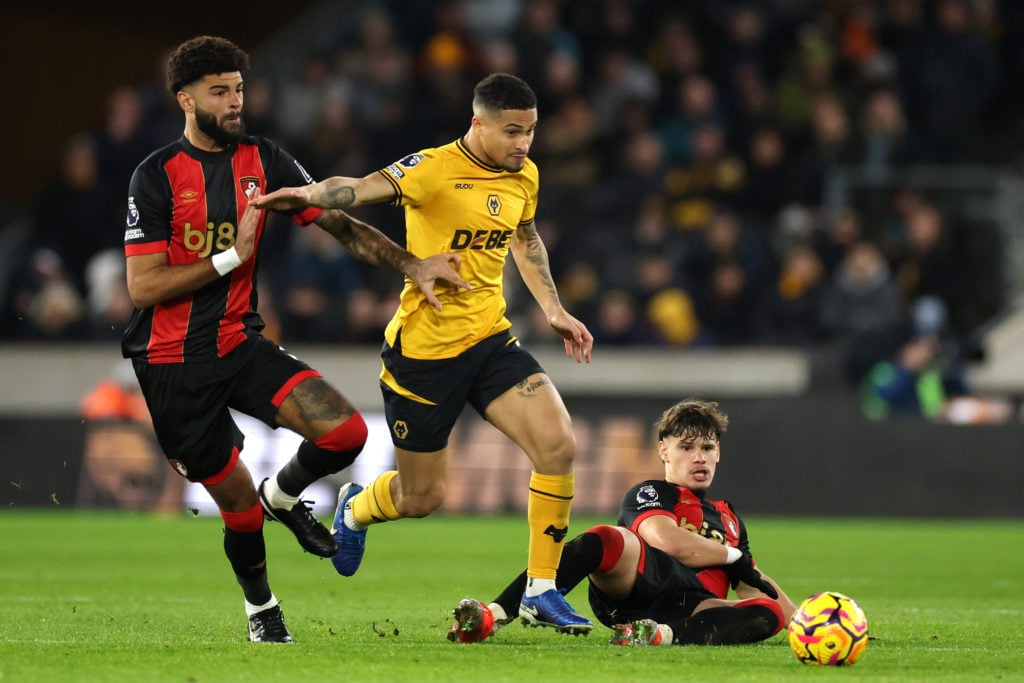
(557, 454)
(335, 450)
(612, 546)
(347, 437)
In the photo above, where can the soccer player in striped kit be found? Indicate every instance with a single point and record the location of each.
(191, 244)
(662, 575)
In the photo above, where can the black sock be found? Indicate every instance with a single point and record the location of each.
(293, 478)
(310, 463)
(580, 557)
(725, 626)
(247, 554)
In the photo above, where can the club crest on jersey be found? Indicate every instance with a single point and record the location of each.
(411, 160)
(493, 204)
(249, 183)
(179, 467)
(133, 212)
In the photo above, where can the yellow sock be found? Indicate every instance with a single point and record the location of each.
(374, 503)
(547, 512)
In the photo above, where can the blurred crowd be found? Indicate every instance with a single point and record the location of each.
(684, 149)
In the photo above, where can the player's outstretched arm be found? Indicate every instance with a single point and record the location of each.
(337, 192)
(532, 260)
(369, 244)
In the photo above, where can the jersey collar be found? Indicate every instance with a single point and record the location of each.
(461, 144)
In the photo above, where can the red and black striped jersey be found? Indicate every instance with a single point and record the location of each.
(714, 519)
(187, 202)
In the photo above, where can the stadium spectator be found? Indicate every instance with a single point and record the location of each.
(831, 144)
(697, 103)
(77, 214)
(926, 264)
(714, 178)
(926, 376)
(121, 142)
(109, 306)
(841, 232)
(620, 321)
(663, 574)
(566, 146)
(333, 144)
(261, 108)
(789, 313)
(674, 318)
(380, 66)
(318, 278)
(862, 310)
(808, 73)
(435, 363)
(886, 141)
(45, 303)
(769, 185)
(542, 41)
(728, 271)
(948, 77)
(194, 338)
(622, 80)
(915, 382)
(675, 54)
(636, 176)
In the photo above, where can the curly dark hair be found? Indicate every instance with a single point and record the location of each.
(693, 418)
(499, 92)
(201, 56)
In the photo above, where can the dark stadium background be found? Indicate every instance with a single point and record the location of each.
(793, 433)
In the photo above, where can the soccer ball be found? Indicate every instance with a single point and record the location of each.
(829, 629)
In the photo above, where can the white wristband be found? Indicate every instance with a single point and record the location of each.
(226, 261)
(732, 554)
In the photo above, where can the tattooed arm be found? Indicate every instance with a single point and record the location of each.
(532, 260)
(337, 192)
(366, 242)
(369, 244)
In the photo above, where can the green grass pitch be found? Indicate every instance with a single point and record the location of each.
(134, 597)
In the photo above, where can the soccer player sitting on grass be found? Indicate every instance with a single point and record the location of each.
(662, 575)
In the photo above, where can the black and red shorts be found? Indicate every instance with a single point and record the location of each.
(665, 590)
(189, 402)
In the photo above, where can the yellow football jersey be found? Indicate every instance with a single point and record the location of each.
(455, 202)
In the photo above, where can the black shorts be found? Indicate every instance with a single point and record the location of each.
(665, 590)
(189, 402)
(424, 398)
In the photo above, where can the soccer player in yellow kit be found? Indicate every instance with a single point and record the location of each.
(474, 198)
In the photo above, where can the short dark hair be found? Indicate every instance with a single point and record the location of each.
(202, 56)
(693, 418)
(499, 92)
